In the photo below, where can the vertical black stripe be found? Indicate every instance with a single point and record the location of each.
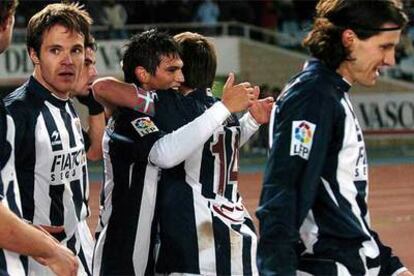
(67, 119)
(54, 135)
(56, 206)
(3, 263)
(72, 111)
(25, 263)
(179, 250)
(71, 244)
(75, 187)
(2, 192)
(222, 247)
(85, 187)
(4, 152)
(11, 199)
(83, 261)
(247, 256)
(122, 225)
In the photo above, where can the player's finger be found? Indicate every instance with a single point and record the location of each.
(229, 81)
(245, 84)
(257, 90)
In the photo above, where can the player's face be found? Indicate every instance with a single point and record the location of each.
(6, 31)
(60, 61)
(87, 75)
(168, 74)
(370, 56)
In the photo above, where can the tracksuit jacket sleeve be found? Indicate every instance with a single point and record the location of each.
(292, 176)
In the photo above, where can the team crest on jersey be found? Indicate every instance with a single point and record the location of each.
(144, 126)
(302, 138)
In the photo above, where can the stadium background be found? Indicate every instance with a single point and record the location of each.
(260, 42)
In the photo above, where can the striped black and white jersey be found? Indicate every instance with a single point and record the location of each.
(128, 196)
(51, 168)
(134, 149)
(11, 263)
(313, 210)
(204, 226)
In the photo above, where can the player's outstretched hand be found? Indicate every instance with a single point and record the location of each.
(237, 97)
(61, 261)
(261, 109)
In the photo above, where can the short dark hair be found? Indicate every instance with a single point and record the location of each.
(365, 17)
(199, 58)
(146, 49)
(91, 43)
(7, 8)
(71, 16)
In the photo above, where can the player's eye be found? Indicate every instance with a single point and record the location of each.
(54, 51)
(77, 50)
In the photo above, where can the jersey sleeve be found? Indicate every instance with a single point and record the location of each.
(248, 127)
(175, 147)
(301, 129)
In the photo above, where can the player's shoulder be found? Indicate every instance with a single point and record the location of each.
(312, 87)
(132, 124)
(21, 103)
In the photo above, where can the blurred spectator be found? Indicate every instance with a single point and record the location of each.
(114, 16)
(268, 17)
(208, 12)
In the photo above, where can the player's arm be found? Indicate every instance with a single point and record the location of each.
(112, 93)
(175, 147)
(96, 121)
(291, 178)
(20, 237)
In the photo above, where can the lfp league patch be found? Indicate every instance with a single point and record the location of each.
(144, 126)
(302, 138)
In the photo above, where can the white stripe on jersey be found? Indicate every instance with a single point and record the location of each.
(108, 186)
(9, 171)
(329, 190)
(98, 251)
(205, 234)
(8, 174)
(309, 232)
(346, 159)
(271, 125)
(14, 264)
(144, 223)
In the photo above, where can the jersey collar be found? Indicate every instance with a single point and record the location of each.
(317, 65)
(40, 91)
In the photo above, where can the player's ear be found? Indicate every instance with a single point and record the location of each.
(348, 38)
(142, 74)
(33, 56)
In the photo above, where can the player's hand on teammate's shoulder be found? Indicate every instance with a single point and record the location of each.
(237, 97)
(261, 110)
